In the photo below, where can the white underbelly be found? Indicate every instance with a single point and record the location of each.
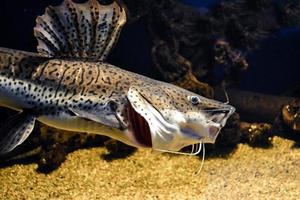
(78, 124)
(75, 124)
(12, 94)
(11, 102)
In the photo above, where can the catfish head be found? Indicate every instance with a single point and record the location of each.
(166, 117)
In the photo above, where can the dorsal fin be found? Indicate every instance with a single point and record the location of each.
(88, 30)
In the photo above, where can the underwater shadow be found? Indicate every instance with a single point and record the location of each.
(212, 152)
(24, 154)
(50, 157)
(225, 152)
(296, 145)
(47, 162)
(291, 135)
(47, 154)
(23, 161)
(117, 150)
(261, 145)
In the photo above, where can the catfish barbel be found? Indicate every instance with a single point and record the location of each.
(68, 85)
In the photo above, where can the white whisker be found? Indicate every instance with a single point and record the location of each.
(199, 146)
(198, 171)
(195, 151)
(227, 98)
(193, 146)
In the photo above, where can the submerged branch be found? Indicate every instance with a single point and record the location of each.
(255, 107)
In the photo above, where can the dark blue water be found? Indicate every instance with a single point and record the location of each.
(200, 3)
(274, 67)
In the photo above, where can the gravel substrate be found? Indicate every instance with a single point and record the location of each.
(248, 173)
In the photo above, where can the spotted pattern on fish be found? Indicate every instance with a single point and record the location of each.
(11, 136)
(87, 30)
(88, 85)
(18, 63)
(91, 86)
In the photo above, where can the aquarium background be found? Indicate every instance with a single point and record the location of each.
(274, 66)
(244, 171)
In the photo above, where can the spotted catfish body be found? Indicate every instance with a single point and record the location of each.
(68, 85)
(70, 95)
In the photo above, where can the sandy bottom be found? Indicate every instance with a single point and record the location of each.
(248, 173)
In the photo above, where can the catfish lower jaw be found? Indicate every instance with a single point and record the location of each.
(204, 132)
(190, 133)
(213, 132)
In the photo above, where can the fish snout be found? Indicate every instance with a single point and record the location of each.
(212, 133)
(205, 125)
(205, 132)
(216, 122)
(220, 116)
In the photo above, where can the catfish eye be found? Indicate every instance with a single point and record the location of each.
(195, 100)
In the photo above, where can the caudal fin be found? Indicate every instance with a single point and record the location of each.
(88, 30)
(15, 131)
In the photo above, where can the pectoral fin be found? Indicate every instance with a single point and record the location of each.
(15, 131)
(107, 119)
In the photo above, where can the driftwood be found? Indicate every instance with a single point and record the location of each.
(255, 107)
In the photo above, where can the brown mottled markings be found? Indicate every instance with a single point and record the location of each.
(18, 63)
(61, 79)
(106, 80)
(46, 67)
(86, 79)
(80, 76)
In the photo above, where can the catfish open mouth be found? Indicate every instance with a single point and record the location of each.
(148, 125)
(139, 127)
(220, 116)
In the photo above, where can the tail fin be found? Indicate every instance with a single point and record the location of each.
(72, 30)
